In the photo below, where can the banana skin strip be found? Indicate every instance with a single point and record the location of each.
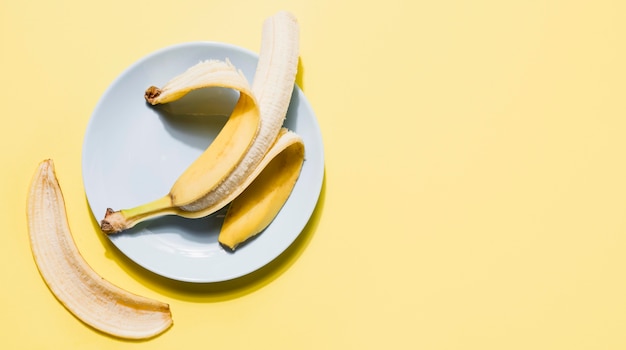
(84, 293)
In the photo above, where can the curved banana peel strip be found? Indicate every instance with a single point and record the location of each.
(215, 179)
(257, 206)
(82, 291)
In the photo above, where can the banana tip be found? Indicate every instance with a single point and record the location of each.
(151, 94)
(227, 247)
(113, 222)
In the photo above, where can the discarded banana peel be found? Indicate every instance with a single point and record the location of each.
(82, 291)
(224, 170)
(254, 209)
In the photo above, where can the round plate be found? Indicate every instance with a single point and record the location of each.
(133, 153)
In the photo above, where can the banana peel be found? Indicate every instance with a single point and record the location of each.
(257, 206)
(92, 299)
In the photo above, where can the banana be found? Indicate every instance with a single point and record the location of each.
(227, 167)
(88, 296)
(206, 173)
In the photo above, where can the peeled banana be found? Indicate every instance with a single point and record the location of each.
(82, 291)
(221, 157)
(241, 151)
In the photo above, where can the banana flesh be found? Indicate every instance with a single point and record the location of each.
(196, 194)
(88, 296)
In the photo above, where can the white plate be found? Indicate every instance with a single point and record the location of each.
(133, 153)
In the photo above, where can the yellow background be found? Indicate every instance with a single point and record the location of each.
(475, 191)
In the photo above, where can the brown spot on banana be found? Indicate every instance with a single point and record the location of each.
(151, 94)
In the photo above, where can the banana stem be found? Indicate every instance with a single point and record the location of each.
(118, 221)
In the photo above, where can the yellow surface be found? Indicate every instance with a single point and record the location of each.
(475, 190)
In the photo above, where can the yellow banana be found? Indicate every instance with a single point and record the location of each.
(221, 157)
(82, 291)
(221, 173)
